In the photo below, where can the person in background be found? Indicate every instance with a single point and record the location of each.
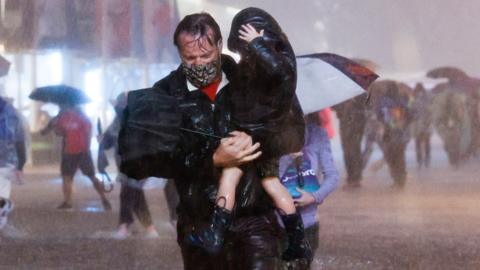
(75, 128)
(352, 116)
(132, 197)
(13, 157)
(317, 151)
(373, 135)
(422, 125)
(325, 116)
(395, 114)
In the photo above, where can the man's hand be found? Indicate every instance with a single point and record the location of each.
(305, 199)
(248, 33)
(235, 150)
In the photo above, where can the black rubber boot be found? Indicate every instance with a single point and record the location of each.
(298, 246)
(211, 238)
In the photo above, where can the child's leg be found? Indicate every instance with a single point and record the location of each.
(227, 187)
(279, 195)
(298, 247)
(211, 238)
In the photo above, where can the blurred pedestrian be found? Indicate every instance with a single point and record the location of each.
(13, 157)
(373, 135)
(452, 122)
(132, 196)
(75, 129)
(422, 124)
(395, 114)
(352, 119)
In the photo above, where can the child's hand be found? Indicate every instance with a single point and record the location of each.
(305, 198)
(248, 33)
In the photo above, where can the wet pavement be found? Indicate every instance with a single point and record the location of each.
(434, 223)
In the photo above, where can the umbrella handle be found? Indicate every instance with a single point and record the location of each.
(298, 167)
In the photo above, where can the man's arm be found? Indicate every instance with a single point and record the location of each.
(50, 126)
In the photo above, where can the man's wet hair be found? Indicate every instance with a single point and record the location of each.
(198, 24)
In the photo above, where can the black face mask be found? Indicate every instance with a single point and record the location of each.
(201, 75)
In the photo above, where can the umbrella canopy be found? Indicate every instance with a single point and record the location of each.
(4, 66)
(326, 79)
(60, 94)
(153, 124)
(366, 63)
(451, 73)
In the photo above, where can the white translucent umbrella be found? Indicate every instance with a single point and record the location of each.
(325, 79)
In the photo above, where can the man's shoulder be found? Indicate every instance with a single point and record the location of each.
(165, 86)
(176, 79)
(138, 93)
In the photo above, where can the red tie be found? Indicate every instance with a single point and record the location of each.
(211, 89)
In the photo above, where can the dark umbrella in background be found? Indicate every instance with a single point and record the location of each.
(451, 73)
(4, 66)
(326, 79)
(60, 94)
(458, 80)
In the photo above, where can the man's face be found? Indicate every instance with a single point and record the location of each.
(195, 50)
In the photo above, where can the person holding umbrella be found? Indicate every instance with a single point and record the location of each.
(75, 128)
(394, 112)
(422, 124)
(201, 88)
(455, 112)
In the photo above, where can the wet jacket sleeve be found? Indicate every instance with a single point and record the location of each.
(280, 64)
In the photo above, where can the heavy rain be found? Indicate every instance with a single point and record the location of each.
(378, 170)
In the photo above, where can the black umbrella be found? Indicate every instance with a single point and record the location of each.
(153, 124)
(451, 73)
(4, 66)
(60, 94)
